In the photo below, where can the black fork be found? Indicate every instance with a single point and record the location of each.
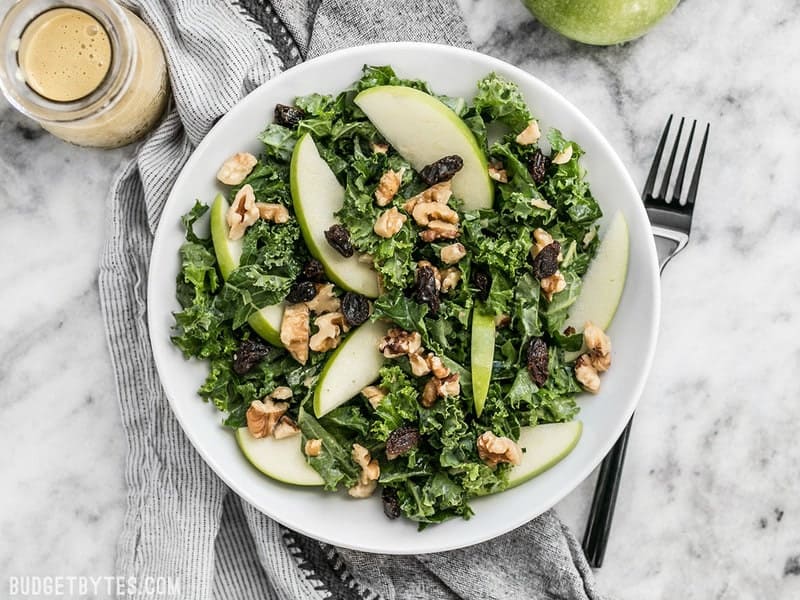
(671, 221)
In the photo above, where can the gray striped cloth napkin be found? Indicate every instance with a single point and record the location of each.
(181, 520)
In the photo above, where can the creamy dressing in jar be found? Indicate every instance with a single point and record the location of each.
(91, 73)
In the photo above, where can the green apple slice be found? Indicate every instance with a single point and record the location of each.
(481, 356)
(423, 129)
(267, 321)
(317, 196)
(544, 446)
(279, 459)
(604, 280)
(352, 366)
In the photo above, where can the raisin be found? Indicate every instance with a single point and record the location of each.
(569, 330)
(537, 359)
(545, 263)
(401, 440)
(391, 503)
(482, 281)
(425, 291)
(313, 271)
(538, 166)
(289, 116)
(248, 355)
(443, 169)
(301, 291)
(355, 308)
(339, 239)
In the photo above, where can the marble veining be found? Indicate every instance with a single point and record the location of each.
(709, 505)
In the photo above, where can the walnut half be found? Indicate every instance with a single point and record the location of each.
(263, 416)
(494, 450)
(370, 471)
(242, 213)
(295, 331)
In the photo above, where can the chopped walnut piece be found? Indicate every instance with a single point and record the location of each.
(325, 301)
(388, 186)
(429, 394)
(285, 428)
(295, 331)
(452, 253)
(439, 230)
(242, 213)
(494, 450)
(599, 345)
(419, 366)
(439, 192)
(281, 392)
(277, 213)
(263, 415)
(313, 447)
(437, 366)
(433, 211)
(498, 173)
(389, 222)
(449, 386)
(370, 471)
(553, 284)
(450, 278)
(399, 342)
(380, 148)
(541, 239)
(586, 374)
(529, 135)
(329, 334)
(234, 170)
(363, 489)
(564, 156)
(373, 394)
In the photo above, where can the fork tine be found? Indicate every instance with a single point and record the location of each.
(651, 176)
(676, 193)
(696, 176)
(662, 194)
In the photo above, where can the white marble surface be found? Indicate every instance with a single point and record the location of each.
(709, 505)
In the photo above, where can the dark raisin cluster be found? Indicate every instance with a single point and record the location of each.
(538, 166)
(545, 263)
(355, 309)
(289, 116)
(339, 239)
(248, 355)
(402, 440)
(537, 361)
(443, 169)
(425, 291)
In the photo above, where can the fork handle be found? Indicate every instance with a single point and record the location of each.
(601, 514)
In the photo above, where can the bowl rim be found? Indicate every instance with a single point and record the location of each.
(652, 280)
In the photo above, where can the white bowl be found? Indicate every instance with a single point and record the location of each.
(359, 524)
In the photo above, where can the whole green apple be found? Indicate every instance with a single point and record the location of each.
(600, 22)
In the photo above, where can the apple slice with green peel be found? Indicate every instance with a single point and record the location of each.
(603, 282)
(481, 356)
(282, 460)
(544, 446)
(352, 366)
(267, 321)
(423, 129)
(317, 195)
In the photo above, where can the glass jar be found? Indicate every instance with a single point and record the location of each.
(88, 71)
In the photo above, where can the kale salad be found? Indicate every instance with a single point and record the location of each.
(393, 297)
